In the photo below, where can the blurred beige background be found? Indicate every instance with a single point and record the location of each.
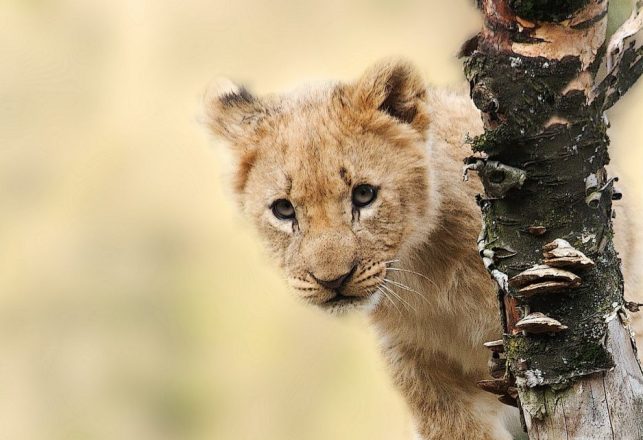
(134, 302)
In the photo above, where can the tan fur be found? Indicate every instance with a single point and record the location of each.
(387, 130)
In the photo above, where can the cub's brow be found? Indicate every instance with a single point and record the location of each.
(277, 175)
(346, 177)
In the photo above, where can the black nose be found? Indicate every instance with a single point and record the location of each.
(338, 282)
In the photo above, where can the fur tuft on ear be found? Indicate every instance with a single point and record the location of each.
(396, 88)
(232, 112)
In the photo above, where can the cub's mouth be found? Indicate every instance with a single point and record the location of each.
(341, 299)
(340, 303)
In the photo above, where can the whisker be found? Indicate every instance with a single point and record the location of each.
(405, 287)
(415, 273)
(384, 286)
(390, 262)
(379, 289)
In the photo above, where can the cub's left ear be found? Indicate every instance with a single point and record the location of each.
(396, 88)
(232, 112)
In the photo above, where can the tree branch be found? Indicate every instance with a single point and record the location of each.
(547, 229)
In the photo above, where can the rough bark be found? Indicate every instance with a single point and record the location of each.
(542, 73)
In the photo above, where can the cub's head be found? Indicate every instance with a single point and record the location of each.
(334, 178)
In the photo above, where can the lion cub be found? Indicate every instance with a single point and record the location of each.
(355, 189)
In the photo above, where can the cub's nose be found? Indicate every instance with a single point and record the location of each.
(338, 282)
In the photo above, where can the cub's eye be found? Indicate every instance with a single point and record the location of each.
(283, 209)
(363, 195)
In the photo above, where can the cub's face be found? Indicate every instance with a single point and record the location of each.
(334, 179)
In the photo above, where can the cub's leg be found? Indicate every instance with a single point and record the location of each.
(479, 417)
(447, 405)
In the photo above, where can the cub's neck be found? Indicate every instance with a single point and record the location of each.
(439, 294)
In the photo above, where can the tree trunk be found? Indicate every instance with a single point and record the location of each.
(542, 73)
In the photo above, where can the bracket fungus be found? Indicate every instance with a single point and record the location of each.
(559, 253)
(502, 252)
(544, 287)
(495, 386)
(542, 278)
(495, 346)
(538, 323)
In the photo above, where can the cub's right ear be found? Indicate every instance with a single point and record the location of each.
(232, 113)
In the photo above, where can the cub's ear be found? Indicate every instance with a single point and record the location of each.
(396, 88)
(232, 112)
